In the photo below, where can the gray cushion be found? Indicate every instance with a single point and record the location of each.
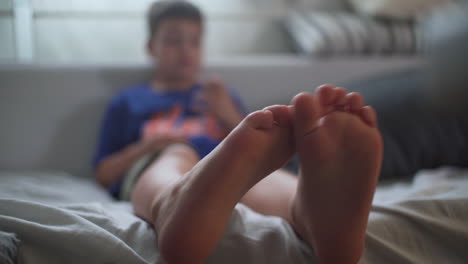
(416, 134)
(423, 113)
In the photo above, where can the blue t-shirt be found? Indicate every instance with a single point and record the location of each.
(140, 111)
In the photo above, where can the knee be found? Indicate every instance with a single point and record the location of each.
(251, 196)
(183, 151)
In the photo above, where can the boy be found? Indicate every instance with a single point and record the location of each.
(189, 200)
(173, 107)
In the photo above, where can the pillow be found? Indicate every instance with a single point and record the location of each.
(394, 8)
(331, 34)
(320, 4)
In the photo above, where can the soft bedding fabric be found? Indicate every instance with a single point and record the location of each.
(420, 222)
(50, 187)
(8, 248)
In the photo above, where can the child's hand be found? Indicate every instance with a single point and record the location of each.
(218, 102)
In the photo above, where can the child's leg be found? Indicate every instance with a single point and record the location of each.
(191, 213)
(340, 160)
(273, 195)
(340, 157)
(172, 163)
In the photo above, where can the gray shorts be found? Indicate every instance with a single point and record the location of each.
(133, 174)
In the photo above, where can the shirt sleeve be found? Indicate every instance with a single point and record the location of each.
(111, 136)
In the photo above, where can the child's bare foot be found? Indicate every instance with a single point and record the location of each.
(191, 216)
(340, 154)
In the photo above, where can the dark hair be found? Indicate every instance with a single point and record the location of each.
(166, 9)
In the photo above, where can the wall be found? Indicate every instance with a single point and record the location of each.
(7, 40)
(115, 30)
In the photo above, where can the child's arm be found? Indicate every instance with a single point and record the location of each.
(115, 154)
(112, 167)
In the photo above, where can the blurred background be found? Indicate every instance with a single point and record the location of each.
(407, 57)
(61, 62)
(109, 31)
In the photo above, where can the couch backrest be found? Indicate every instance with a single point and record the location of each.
(50, 115)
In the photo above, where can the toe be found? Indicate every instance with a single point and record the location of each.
(259, 119)
(281, 115)
(331, 98)
(354, 102)
(369, 116)
(305, 113)
(340, 96)
(325, 94)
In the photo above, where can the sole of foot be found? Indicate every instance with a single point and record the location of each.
(340, 151)
(191, 216)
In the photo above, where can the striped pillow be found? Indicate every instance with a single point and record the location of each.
(396, 8)
(329, 34)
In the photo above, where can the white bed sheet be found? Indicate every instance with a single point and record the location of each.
(64, 219)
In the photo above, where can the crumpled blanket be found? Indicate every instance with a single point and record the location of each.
(423, 221)
(9, 244)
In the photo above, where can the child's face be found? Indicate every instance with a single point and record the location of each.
(177, 48)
